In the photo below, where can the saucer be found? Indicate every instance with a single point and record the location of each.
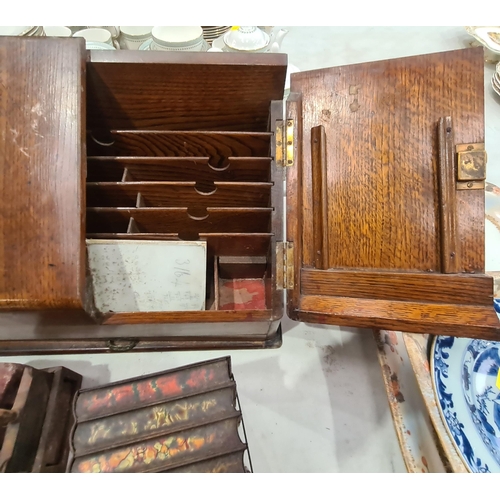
(219, 43)
(488, 36)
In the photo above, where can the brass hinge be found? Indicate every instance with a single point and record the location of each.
(471, 163)
(284, 265)
(284, 143)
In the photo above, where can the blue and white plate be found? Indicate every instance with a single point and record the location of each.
(464, 373)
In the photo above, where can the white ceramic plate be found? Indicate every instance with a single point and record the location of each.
(464, 375)
(219, 43)
(489, 36)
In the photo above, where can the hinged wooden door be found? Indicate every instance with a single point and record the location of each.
(42, 173)
(385, 200)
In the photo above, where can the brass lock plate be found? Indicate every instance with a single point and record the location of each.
(471, 162)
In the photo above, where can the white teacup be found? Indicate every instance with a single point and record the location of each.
(95, 35)
(132, 37)
(57, 31)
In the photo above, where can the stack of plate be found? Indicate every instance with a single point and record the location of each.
(495, 81)
(21, 31)
(210, 33)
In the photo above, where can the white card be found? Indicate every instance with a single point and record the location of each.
(148, 276)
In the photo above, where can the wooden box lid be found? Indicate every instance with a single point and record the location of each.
(42, 126)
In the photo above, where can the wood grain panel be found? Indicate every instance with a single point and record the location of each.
(420, 287)
(179, 220)
(380, 121)
(42, 172)
(177, 169)
(183, 91)
(217, 146)
(177, 194)
(471, 221)
(436, 319)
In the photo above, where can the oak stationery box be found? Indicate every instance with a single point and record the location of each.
(384, 167)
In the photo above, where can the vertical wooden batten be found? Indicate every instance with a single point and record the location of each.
(450, 257)
(320, 196)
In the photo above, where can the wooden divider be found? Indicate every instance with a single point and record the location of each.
(111, 168)
(178, 194)
(215, 145)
